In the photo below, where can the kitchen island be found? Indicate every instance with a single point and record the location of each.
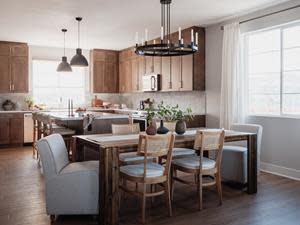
(100, 124)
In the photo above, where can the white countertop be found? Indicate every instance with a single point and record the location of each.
(98, 115)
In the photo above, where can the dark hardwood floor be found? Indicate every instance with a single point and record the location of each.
(22, 200)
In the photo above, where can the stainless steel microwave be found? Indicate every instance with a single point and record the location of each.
(151, 82)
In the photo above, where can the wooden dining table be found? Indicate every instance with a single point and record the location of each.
(108, 146)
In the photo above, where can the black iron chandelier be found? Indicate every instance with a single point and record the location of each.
(166, 47)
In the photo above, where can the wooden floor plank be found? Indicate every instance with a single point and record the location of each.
(22, 200)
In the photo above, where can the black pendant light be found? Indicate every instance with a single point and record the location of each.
(166, 47)
(64, 66)
(79, 59)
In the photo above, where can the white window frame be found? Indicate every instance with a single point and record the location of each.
(246, 60)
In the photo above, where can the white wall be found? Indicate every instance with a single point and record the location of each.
(281, 137)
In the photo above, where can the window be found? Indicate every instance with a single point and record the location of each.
(55, 88)
(273, 68)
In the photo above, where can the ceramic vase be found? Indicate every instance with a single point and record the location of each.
(180, 127)
(162, 129)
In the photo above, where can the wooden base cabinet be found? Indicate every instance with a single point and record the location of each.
(13, 67)
(11, 129)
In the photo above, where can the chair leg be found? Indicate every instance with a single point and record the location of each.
(172, 175)
(52, 218)
(219, 188)
(168, 197)
(199, 187)
(144, 204)
(152, 188)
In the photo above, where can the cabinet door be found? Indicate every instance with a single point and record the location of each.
(157, 65)
(19, 74)
(128, 74)
(4, 74)
(149, 64)
(175, 73)
(187, 73)
(4, 131)
(122, 77)
(98, 76)
(135, 74)
(165, 75)
(16, 131)
(141, 71)
(110, 83)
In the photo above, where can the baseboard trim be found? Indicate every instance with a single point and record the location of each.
(280, 171)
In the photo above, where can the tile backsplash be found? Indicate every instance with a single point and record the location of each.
(194, 99)
(18, 99)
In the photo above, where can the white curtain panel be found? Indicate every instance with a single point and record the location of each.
(233, 88)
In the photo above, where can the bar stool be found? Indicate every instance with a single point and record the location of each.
(49, 127)
(37, 132)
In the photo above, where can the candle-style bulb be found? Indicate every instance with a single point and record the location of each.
(146, 35)
(192, 35)
(137, 37)
(196, 38)
(179, 33)
(162, 33)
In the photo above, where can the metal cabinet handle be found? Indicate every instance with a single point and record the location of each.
(152, 84)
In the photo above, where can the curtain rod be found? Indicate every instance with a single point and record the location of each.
(269, 14)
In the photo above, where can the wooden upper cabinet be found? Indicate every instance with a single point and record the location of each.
(166, 78)
(14, 67)
(187, 73)
(5, 84)
(98, 76)
(104, 71)
(198, 68)
(186, 78)
(178, 73)
(135, 74)
(19, 74)
(111, 78)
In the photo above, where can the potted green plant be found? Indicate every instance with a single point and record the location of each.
(182, 117)
(151, 124)
(29, 102)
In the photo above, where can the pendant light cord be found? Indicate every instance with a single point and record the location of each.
(64, 43)
(78, 34)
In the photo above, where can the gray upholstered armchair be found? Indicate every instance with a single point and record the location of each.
(71, 188)
(234, 161)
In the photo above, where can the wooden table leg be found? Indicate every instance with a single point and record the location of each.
(77, 151)
(108, 186)
(252, 164)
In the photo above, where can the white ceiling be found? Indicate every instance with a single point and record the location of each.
(109, 24)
